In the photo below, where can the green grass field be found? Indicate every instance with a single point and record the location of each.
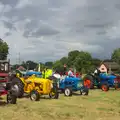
(97, 106)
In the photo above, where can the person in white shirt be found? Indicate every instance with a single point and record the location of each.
(70, 73)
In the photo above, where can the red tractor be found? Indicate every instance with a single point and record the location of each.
(7, 82)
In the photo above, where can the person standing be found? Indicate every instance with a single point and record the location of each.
(70, 73)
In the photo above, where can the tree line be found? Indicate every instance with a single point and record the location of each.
(82, 61)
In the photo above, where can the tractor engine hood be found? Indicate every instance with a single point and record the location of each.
(107, 76)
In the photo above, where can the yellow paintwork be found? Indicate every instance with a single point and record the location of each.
(43, 86)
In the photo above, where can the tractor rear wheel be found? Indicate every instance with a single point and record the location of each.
(11, 99)
(88, 81)
(16, 82)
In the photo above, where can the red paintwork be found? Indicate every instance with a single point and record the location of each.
(118, 79)
(77, 74)
(3, 74)
(5, 79)
(4, 92)
(87, 83)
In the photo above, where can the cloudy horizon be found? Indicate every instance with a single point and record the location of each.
(46, 30)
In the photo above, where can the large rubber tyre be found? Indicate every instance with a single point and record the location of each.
(11, 99)
(17, 82)
(116, 86)
(54, 92)
(84, 91)
(34, 95)
(68, 91)
(104, 87)
(54, 96)
(90, 79)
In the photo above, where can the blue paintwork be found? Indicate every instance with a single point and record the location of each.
(108, 79)
(33, 72)
(73, 82)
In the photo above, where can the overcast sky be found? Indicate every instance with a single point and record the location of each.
(44, 30)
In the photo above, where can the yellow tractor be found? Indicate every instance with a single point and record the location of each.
(36, 86)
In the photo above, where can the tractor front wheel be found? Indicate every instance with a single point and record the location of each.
(68, 92)
(84, 91)
(34, 95)
(18, 84)
(54, 95)
(105, 87)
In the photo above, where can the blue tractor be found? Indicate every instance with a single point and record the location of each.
(102, 80)
(36, 73)
(68, 85)
(28, 73)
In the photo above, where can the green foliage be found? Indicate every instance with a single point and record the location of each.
(14, 67)
(4, 50)
(116, 55)
(31, 65)
(64, 60)
(49, 64)
(58, 65)
(71, 57)
(83, 61)
(80, 60)
(96, 62)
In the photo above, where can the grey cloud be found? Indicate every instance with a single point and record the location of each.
(26, 33)
(45, 32)
(38, 12)
(9, 25)
(37, 29)
(9, 2)
(7, 34)
(69, 23)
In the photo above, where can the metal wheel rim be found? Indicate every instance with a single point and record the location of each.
(67, 92)
(104, 88)
(83, 92)
(15, 88)
(33, 96)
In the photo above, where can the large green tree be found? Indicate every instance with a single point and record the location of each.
(64, 60)
(71, 57)
(4, 50)
(116, 55)
(31, 64)
(58, 66)
(49, 64)
(83, 62)
(96, 62)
